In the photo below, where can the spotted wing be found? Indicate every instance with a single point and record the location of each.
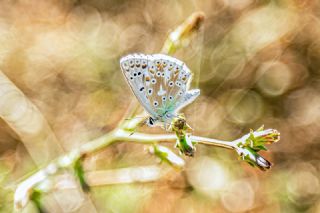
(176, 80)
(160, 82)
(135, 68)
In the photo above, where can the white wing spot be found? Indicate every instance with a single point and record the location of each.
(161, 91)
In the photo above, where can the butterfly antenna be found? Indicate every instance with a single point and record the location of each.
(133, 132)
(135, 129)
(128, 119)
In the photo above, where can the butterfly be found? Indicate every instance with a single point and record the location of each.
(160, 83)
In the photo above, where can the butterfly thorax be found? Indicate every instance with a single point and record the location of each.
(164, 117)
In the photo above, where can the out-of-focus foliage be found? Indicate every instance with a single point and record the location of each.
(256, 62)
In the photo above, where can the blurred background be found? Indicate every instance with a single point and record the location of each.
(256, 62)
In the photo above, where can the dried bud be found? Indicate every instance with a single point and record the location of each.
(253, 158)
(262, 163)
(183, 33)
(250, 144)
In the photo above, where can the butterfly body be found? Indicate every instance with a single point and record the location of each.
(160, 83)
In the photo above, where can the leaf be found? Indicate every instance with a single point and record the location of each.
(80, 174)
(36, 197)
(260, 128)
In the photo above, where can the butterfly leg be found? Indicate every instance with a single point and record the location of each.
(189, 128)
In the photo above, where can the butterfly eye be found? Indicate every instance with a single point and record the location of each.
(155, 103)
(170, 98)
(171, 84)
(158, 74)
(150, 121)
(164, 98)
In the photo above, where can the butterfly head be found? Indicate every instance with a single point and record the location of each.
(163, 119)
(150, 121)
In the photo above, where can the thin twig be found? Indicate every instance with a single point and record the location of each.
(25, 188)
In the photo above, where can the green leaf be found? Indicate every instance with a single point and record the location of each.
(185, 146)
(167, 156)
(36, 198)
(80, 174)
(260, 128)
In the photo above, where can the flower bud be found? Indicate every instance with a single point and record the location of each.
(253, 158)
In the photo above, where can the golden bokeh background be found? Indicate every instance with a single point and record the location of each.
(256, 62)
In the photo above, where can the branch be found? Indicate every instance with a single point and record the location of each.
(25, 189)
(26, 120)
(140, 174)
(182, 35)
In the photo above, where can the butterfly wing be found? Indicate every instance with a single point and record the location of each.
(135, 69)
(177, 78)
(160, 83)
(188, 98)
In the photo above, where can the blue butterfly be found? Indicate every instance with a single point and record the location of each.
(160, 83)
